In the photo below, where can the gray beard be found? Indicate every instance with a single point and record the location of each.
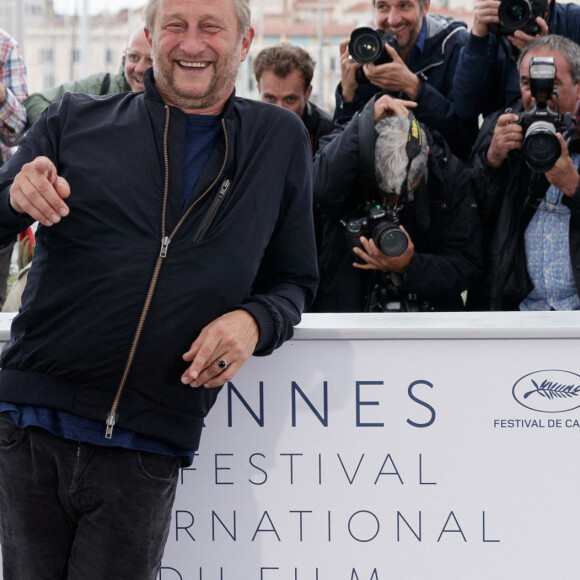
(216, 90)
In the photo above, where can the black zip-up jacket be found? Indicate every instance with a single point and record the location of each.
(246, 242)
(446, 234)
(318, 123)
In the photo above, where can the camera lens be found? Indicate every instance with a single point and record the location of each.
(390, 239)
(541, 148)
(365, 45)
(515, 13)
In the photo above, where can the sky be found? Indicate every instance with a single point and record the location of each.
(95, 6)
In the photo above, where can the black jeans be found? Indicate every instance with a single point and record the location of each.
(75, 511)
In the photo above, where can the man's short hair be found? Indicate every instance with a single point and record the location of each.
(391, 157)
(556, 43)
(282, 60)
(242, 8)
(421, 3)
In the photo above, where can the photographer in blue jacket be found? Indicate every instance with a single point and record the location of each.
(420, 51)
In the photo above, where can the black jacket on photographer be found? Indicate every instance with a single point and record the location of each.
(508, 198)
(434, 64)
(442, 222)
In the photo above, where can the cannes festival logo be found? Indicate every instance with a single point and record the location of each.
(549, 391)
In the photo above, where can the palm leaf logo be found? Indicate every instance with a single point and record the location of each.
(551, 390)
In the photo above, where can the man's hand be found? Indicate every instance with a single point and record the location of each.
(3, 93)
(39, 192)
(231, 338)
(348, 68)
(386, 106)
(564, 175)
(484, 12)
(374, 259)
(393, 76)
(519, 39)
(507, 135)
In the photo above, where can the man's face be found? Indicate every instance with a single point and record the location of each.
(403, 18)
(288, 92)
(568, 91)
(197, 50)
(137, 59)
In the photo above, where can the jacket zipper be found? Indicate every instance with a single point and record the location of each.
(165, 241)
(208, 219)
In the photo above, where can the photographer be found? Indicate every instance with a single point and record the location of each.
(284, 77)
(531, 209)
(421, 69)
(487, 78)
(419, 183)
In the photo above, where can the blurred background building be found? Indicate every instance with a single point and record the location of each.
(68, 39)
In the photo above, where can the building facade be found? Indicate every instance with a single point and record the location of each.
(60, 47)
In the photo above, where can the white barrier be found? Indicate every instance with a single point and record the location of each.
(406, 447)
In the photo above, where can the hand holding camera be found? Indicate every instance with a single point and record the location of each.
(375, 48)
(564, 175)
(534, 131)
(507, 136)
(377, 239)
(519, 39)
(348, 72)
(519, 15)
(369, 257)
(485, 12)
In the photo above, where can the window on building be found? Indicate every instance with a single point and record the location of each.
(47, 81)
(76, 55)
(110, 56)
(33, 10)
(46, 55)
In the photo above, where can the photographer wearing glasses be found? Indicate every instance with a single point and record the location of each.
(136, 59)
(400, 230)
(525, 176)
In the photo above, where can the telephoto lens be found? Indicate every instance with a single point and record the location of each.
(390, 239)
(541, 148)
(367, 45)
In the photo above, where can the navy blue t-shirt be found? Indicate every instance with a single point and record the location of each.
(202, 132)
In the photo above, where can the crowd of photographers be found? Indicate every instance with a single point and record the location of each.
(448, 176)
(475, 207)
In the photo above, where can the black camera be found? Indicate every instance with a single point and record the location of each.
(381, 223)
(541, 148)
(368, 45)
(519, 15)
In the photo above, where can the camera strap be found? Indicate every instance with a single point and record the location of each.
(414, 139)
